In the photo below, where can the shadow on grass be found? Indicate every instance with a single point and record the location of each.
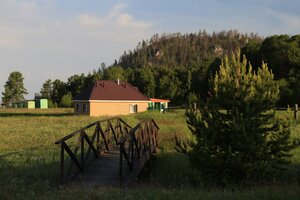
(169, 170)
(172, 170)
(36, 114)
(33, 175)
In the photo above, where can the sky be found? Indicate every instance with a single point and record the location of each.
(58, 38)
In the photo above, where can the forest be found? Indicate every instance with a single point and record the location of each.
(178, 66)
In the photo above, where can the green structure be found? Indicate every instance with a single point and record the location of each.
(41, 103)
(158, 104)
(24, 104)
(32, 104)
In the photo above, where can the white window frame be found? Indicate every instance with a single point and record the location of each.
(133, 108)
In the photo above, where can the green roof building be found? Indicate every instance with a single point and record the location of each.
(41, 103)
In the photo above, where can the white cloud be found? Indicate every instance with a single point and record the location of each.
(115, 18)
(116, 10)
(33, 39)
(89, 20)
(126, 20)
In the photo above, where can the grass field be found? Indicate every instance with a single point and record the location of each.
(29, 161)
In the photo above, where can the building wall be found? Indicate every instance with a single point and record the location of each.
(110, 108)
(44, 103)
(79, 108)
(30, 104)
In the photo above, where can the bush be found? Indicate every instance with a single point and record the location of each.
(239, 139)
(66, 101)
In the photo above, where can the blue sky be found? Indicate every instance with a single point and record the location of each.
(58, 38)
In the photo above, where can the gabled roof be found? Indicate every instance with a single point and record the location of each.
(111, 90)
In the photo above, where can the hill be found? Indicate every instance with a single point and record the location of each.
(184, 50)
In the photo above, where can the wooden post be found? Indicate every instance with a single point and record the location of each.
(98, 138)
(132, 149)
(121, 163)
(62, 163)
(82, 150)
(296, 112)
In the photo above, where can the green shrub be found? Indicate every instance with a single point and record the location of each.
(66, 101)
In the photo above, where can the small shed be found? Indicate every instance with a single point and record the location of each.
(41, 103)
(24, 104)
(158, 104)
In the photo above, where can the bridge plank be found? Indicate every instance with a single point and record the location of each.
(103, 171)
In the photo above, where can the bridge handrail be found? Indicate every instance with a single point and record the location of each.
(133, 130)
(88, 126)
(138, 145)
(115, 128)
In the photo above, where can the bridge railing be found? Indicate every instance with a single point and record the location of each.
(139, 144)
(91, 139)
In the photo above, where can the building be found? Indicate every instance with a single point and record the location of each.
(158, 104)
(107, 97)
(41, 103)
(29, 104)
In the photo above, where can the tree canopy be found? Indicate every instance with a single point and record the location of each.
(14, 89)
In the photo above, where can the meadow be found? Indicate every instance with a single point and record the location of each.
(29, 161)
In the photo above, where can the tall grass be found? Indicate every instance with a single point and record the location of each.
(29, 161)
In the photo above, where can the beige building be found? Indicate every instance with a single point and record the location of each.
(110, 98)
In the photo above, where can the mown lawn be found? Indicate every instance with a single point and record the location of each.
(29, 161)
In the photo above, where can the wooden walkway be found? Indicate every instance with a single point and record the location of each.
(119, 152)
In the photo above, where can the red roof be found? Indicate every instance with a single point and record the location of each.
(159, 100)
(111, 90)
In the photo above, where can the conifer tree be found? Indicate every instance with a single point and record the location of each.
(46, 90)
(14, 89)
(238, 136)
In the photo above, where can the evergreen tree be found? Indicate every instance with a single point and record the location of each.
(239, 138)
(46, 90)
(14, 90)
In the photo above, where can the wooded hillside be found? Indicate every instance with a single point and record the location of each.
(178, 66)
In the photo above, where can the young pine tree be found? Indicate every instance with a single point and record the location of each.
(239, 139)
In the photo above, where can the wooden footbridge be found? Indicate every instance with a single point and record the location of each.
(107, 153)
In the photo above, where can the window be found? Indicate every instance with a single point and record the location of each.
(133, 108)
(77, 107)
(84, 107)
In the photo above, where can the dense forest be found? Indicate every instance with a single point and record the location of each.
(178, 66)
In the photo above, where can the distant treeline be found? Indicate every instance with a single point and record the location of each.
(178, 67)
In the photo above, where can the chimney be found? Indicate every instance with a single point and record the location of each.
(102, 84)
(118, 81)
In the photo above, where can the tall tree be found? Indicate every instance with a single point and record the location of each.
(46, 90)
(14, 89)
(144, 79)
(239, 138)
(59, 90)
(114, 73)
(76, 83)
